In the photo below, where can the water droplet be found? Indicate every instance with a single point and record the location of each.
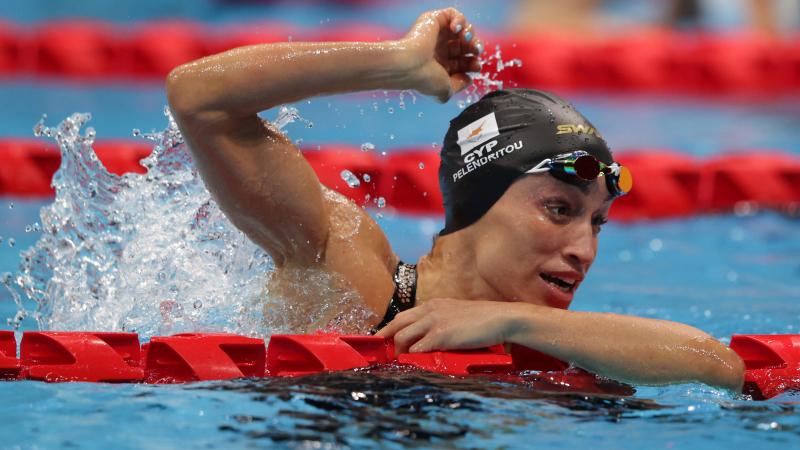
(28, 228)
(381, 202)
(656, 245)
(350, 178)
(421, 165)
(12, 242)
(197, 304)
(391, 137)
(367, 146)
(390, 110)
(40, 129)
(420, 114)
(367, 178)
(11, 205)
(383, 153)
(434, 145)
(310, 125)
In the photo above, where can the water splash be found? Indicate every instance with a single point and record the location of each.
(350, 178)
(487, 80)
(150, 253)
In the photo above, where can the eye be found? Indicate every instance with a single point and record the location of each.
(557, 209)
(598, 222)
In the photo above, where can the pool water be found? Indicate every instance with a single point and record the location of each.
(724, 274)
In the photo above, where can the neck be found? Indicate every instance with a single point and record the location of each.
(449, 271)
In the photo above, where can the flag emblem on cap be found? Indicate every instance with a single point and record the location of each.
(477, 133)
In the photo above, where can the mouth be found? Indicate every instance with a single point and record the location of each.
(566, 285)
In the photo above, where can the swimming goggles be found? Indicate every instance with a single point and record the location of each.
(587, 167)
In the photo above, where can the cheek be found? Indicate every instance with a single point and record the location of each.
(514, 250)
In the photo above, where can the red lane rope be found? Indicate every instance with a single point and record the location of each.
(655, 61)
(667, 184)
(772, 362)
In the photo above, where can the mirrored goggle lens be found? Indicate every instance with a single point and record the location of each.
(587, 167)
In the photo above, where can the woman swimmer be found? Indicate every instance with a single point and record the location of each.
(517, 241)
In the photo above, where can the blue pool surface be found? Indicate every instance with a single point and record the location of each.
(724, 274)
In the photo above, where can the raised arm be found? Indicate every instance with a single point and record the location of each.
(630, 349)
(260, 179)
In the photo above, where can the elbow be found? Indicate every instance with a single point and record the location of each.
(192, 98)
(178, 89)
(733, 376)
(726, 368)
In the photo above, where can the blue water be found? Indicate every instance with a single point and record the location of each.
(723, 274)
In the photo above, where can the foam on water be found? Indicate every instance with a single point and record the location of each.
(150, 253)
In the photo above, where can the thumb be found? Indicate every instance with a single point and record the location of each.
(459, 81)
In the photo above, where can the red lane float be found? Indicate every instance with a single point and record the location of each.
(772, 362)
(652, 60)
(292, 355)
(79, 356)
(9, 364)
(198, 357)
(770, 180)
(667, 184)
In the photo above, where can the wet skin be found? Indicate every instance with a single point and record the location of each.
(499, 280)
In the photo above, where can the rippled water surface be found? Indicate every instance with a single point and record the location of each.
(386, 408)
(152, 253)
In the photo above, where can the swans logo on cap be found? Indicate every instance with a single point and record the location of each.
(477, 132)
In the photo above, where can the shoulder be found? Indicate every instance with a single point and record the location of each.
(358, 249)
(351, 225)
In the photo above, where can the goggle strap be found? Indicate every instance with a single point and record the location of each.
(543, 166)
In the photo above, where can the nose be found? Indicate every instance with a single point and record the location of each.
(581, 247)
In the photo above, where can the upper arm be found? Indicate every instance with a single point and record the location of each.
(261, 181)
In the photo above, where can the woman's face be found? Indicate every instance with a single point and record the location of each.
(537, 242)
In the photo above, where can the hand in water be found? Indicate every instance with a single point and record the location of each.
(443, 47)
(449, 324)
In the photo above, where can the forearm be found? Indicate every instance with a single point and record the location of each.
(629, 349)
(250, 79)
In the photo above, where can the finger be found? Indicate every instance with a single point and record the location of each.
(411, 334)
(453, 48)
(399, 322)
(468, 34)
(472, 64)
(458, 21)
(430, 342)
(459, 81)
(477, 46)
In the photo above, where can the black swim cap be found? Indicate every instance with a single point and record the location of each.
(497, 139)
